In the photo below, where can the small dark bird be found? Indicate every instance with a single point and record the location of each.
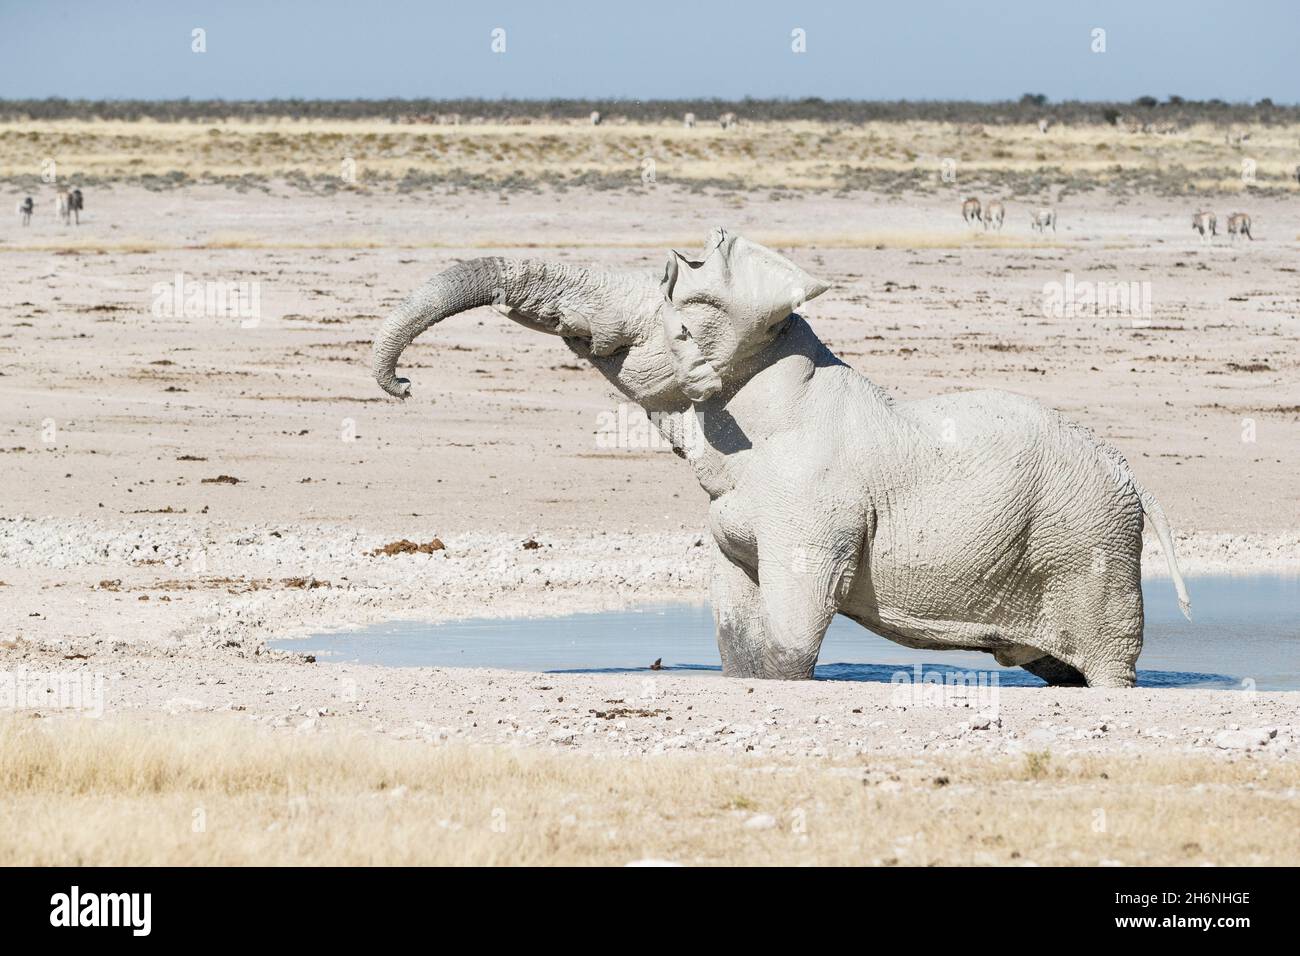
(658, 665)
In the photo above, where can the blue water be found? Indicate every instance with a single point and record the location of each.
(1246, 628)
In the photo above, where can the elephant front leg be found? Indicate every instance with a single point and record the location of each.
(738, 616)
(801, 585)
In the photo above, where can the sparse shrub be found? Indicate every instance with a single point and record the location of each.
(1037, 764)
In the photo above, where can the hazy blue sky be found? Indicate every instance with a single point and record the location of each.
(922, 49)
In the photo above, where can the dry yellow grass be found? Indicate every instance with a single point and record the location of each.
(756, 155)
(224, 791)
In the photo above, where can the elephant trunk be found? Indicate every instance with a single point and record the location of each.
(556, 298)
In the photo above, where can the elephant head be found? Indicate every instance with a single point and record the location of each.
(661, 347)
(725, 307)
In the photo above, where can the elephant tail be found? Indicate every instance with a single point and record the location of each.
(1156, 515)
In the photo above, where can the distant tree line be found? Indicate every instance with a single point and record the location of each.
(1028, 109)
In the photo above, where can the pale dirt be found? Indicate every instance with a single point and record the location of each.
(499, 445)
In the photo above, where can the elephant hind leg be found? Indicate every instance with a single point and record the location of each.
(1057, 673)
(1092, 632)
(1118, 669)
(1111, 673)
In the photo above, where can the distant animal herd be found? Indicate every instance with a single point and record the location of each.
(727, 120)
(1207, 224)
(68, 204)
(992, 214)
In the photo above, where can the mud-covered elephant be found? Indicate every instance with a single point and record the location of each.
(974, 520)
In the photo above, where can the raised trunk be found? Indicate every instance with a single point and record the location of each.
(605, 311)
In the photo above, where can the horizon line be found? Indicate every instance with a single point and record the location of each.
(1145, 101)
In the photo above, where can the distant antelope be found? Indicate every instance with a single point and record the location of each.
(1042, 218)
(970, 210)
(689, 120)
(25, 209)
(728, 120)
(595, 117)
(993, 214)
(1206, 223)
(1239, 223)
(1044, 125)
(68, 205)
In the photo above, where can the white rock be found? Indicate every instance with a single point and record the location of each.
(178, 704)
(1243, 739)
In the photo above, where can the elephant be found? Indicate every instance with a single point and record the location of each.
(975, 521)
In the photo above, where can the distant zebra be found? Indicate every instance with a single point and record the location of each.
(1206, 223)
(970, 210)
(728, 120)
(1042, 218)
(689, 120)
(1239, 224)
(993, 214)
(25, 209)
(1044, 125)
(595, 117)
